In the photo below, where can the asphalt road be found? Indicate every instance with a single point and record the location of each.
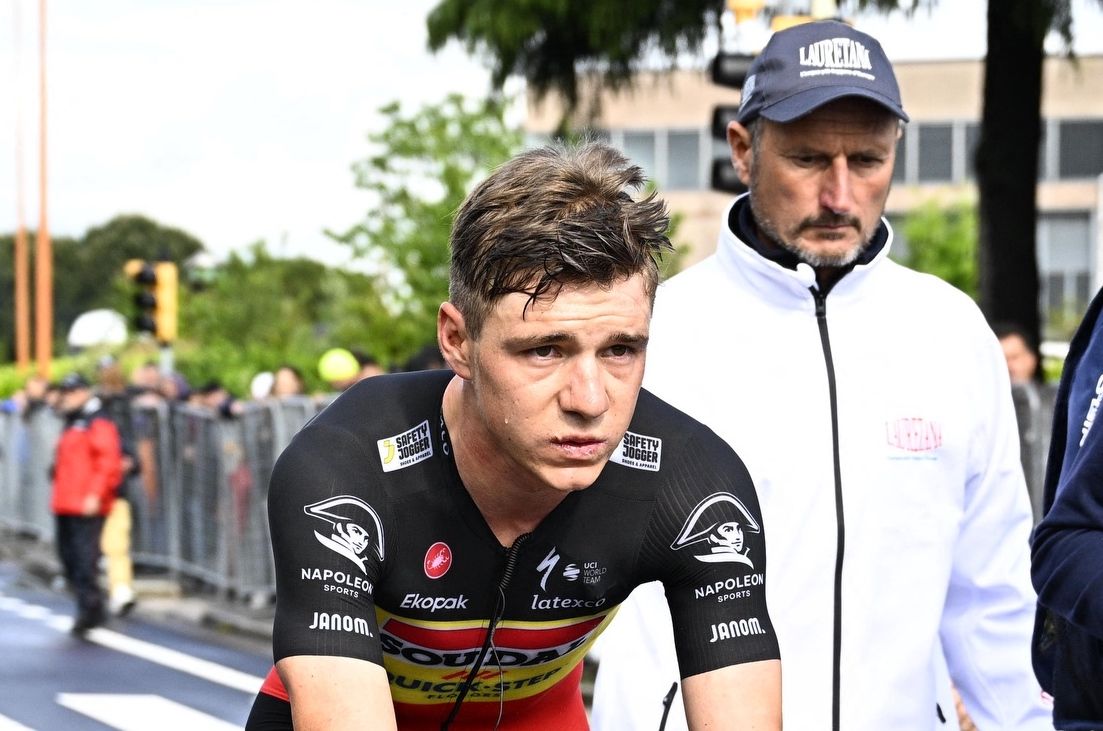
(138, 673)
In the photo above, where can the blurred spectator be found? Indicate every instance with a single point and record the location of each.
(35, 391)
(174, 388)
(214, 397)
(338, 368)
(116, 537)
(1021, 353)
(87, 469)
(427, 358)
(145, 378)
(367, 365)
(288, 381)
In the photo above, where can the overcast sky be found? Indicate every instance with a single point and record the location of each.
(238, 120)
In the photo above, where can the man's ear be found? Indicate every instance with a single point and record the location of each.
(454, 340)
(739, 140)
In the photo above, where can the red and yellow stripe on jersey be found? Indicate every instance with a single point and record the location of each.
(533, 666)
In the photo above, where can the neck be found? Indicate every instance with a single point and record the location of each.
(511, 499)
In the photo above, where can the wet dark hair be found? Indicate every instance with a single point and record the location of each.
(551, 217)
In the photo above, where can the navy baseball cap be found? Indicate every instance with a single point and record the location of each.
(73, 381)
(808, 65)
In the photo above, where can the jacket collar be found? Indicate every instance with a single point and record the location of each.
(779, 276)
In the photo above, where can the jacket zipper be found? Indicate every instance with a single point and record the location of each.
(495, 617)
(825, 341)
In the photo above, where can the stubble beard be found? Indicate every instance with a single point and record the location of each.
(816, 259)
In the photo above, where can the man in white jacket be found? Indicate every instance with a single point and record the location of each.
(871, 404)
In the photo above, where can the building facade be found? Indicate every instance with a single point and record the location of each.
(663, 124)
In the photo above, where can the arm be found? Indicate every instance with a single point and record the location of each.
(326, 643)
(1067, 555)
(337, 693)
(716, 589)
(107, 461)
(739, 697)
(988, 616)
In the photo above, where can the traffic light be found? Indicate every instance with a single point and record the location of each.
(156, 298)
(730, 69)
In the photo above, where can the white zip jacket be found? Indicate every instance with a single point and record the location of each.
(916, 501)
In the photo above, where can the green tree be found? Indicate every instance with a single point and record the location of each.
(943, 241)
(87, 271)
(7, 291)
(422, 168)
(256, 311)
(551, 43)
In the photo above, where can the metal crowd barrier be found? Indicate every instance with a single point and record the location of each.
(199, 494)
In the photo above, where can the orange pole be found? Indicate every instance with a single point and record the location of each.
(43, 260)
(22, 282)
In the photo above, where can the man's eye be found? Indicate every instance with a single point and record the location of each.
(619, 351)
(544, 351)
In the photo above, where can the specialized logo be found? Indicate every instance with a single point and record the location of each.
(409, 447)
(913, 434)
(438, 559)
(1093, 407)
(639, 451)
(720, 520)
(356, 527)
(340, 623)
(546, 567)
(838, 57)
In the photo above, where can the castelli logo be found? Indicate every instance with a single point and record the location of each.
(438, 559)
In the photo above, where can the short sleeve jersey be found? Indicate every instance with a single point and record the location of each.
(382, 555)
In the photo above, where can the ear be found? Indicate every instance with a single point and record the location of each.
(739, 140)
(454, 340)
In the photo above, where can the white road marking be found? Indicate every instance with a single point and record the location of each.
(113, 640)
(175, 660)
(131, 712)
(6, 724)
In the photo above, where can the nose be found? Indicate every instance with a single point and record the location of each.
(584, 393)
(835, 192)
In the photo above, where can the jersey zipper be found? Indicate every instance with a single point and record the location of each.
(495, 617)
(820, 298)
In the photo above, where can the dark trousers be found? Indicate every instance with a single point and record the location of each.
(78, 545)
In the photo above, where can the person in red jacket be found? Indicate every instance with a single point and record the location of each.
(87, 469)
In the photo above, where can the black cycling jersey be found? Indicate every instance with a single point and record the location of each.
(382, 555)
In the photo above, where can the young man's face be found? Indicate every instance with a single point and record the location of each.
(819, 184)
(555, 388)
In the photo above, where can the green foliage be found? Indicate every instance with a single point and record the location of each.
(256, 312)
(552, 42)
(943, 242)
(85, 268)
(424, 165)
(549, 42)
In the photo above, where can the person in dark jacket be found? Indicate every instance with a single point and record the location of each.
(1067, 547)
(88, 467)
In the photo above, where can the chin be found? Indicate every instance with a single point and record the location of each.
(573, 479)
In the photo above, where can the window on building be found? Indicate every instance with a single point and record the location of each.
(900, 172)
(936, 153)
(1081, 149)
(640, 149)
(1064, 264)
(683, 166)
